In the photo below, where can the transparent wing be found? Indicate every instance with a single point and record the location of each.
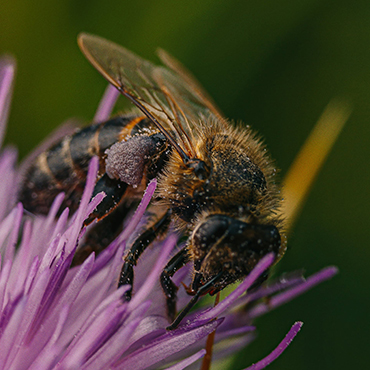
(171, 98)
(189, 84)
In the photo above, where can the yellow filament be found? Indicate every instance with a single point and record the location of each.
(310, 159)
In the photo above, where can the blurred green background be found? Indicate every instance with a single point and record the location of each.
(273, 64)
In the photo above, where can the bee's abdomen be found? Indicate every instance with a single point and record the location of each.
(63, 167)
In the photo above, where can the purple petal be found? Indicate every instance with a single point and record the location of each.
(97, 307)
(31, 275)
(13, 237)
(61, 224)
(107, 327)
(139, 212)
(284, 297)
(8, 190)
(106, 254)
(284, 282)
(144, 291)
(54, 209)
(4, 277)
(66, 299)
(229, 337)
(188, 361)
(106, 104)
(82, 212)
(8, 310)
(167, 345)
(52, 289)
(279, 349)
(83, 315)
(6, 227)
(261, 266)
(93, 336)
(7, 72)
(49, 352)
(235, 320)
(50, 253)
(150, 328)
(23, 259)
(114, 268)
(120, 341)
(110, 352)
(32, 307)
(10, 333)
(94, 203)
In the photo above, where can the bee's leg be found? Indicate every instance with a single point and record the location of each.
(103, 233)
(140, 244)
(109, 226)
(114, 190)
(168, 286)
(202, 290)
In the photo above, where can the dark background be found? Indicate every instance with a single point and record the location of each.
(273, 64)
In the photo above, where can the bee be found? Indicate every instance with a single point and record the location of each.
(216, 182)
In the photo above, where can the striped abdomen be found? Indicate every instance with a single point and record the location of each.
(64, 166)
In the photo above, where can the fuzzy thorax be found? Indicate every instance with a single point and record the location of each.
(240, 181)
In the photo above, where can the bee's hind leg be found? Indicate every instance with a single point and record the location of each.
(114, 191)
(139, 246)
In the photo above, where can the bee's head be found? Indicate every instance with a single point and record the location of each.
(229, 248)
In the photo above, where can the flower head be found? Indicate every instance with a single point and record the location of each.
(57, 317)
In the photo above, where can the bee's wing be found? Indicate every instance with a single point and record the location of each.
(170, 98)
(189, 84)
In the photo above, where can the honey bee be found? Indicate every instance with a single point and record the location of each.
(216, 182)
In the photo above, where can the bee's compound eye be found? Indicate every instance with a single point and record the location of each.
(210, 231)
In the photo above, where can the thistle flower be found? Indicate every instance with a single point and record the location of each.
(57, 317)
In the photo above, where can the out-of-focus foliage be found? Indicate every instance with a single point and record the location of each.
(272, 64)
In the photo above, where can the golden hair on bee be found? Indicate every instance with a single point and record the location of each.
(241, 180)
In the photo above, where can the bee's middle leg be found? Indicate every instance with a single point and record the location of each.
(139, 246)
(168, 286)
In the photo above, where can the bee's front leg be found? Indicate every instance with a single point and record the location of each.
(139, 246)
(168, 286)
